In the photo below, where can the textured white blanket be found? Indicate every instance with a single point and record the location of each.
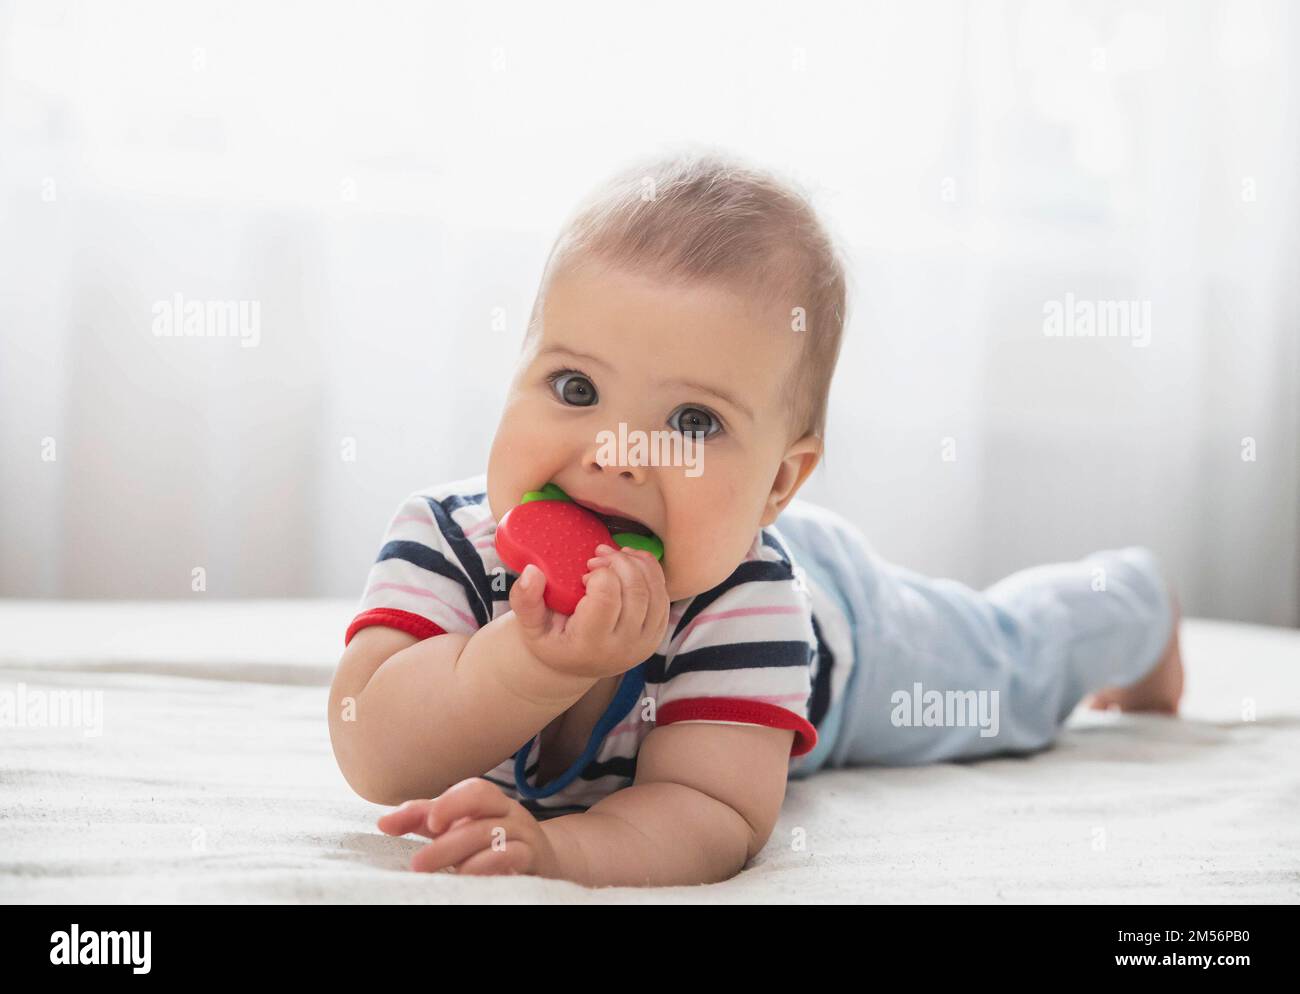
(212, 780)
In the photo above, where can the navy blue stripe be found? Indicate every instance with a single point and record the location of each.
(542, 811)
(820, 701)
(772, 542)
(456, 501)
(481, 584)
(731, 656)
(749, 572)
(419, 554)
(528, 773)
(654, 668)
(615, 766)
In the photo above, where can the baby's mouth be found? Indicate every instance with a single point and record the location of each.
(616, 523)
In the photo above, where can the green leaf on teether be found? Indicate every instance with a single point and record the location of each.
(632, 540)
(548, 492)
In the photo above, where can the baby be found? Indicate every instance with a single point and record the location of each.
(647, 738)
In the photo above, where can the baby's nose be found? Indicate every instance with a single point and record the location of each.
(607, 456)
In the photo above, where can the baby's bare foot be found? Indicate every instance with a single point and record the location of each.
(1160, 690)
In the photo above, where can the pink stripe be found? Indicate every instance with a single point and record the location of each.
(740, 612)
(418, 592)
(426, 520)
(631, 725)
(781, 699)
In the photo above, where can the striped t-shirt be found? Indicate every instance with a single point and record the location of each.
(749, 651)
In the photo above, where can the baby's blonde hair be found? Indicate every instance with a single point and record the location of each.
(704, 215)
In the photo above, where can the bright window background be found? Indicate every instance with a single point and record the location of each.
(385, 179)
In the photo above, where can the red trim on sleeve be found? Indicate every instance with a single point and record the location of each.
(403, 621)
(741, 710)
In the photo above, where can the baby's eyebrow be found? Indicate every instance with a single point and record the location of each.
(705, 388)
(550, 349)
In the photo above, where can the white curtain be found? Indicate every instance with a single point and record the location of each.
(383, 180)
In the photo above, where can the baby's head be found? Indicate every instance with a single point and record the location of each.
(691, 294)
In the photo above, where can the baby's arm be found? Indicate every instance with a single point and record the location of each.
(427, 714)
(705, 800)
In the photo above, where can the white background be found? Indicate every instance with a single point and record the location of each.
(383, 177)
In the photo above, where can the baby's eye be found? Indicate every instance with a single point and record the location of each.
(695, 421)
(574, 389)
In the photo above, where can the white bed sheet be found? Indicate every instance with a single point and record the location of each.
(213, 781)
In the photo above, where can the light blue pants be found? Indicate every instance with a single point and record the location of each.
(1035, 643)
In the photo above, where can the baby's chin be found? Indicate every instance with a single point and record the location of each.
(675, 593)
(677, 576)
(689, 579)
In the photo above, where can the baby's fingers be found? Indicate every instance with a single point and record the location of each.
(516, 856)
(410, 817)
(472, 798)
(460, 843)
(527, 600)
(656, 614)
(598, 611)
(635, 593)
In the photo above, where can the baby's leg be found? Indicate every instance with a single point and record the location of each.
(944, 672)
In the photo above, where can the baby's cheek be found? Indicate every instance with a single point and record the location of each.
(698, 559)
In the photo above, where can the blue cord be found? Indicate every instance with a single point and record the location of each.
(629, 690)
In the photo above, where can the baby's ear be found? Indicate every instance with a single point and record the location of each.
(799, 462)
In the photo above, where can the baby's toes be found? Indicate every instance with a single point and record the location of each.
(1104, 699)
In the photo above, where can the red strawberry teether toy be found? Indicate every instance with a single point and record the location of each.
(558, 536)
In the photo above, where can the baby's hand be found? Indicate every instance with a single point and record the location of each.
(619, 622)
(476, 829)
